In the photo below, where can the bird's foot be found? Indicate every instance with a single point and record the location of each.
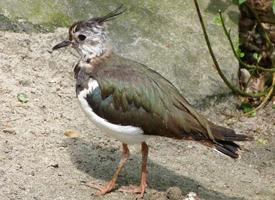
(134, 189)
(101, 189)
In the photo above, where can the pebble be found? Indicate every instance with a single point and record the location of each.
(192, 196)
(9, 131)
(155, 196)
(174, 193)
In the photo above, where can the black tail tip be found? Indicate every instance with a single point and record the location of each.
(230, 148)
(232, 152)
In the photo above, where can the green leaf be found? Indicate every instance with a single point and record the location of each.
(262, 141)
(252, 114)
(241, 1)
(273, 6)
(238, 2)
(242, 54)
(246, 107)
(22, 97)
(255, 56)
(239, 52)
(217, 20)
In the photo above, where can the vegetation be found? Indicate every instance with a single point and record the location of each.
(258, 67)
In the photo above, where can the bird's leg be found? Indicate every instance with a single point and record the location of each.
(111, 184)
(141, 188)
(143, 179)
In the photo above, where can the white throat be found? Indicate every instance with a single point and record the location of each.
(91, 51)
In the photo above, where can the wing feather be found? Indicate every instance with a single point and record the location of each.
(142, 97)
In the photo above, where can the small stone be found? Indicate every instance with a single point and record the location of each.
(25, 82)
(155, 196)
(174, 193)
(22, 97)
(71, 134)
(55, 165)
(22, 187)
(9, 131)
(192, 196)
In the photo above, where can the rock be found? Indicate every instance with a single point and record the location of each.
(154, 196)
(163, 35)
(9, 131)
(191, 196)
(174, 193)
(72, 134)
(55, 165)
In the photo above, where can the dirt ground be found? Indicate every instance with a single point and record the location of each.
(38, 162)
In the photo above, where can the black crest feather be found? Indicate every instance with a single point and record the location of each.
(110, 16)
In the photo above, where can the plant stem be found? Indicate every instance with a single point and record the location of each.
(247, 66)
(233, 88)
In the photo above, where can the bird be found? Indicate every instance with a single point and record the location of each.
(131, 102)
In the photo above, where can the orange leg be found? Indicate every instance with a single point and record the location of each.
(111, 184)
(141, 188)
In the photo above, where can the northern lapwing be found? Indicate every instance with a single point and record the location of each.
(131, 102)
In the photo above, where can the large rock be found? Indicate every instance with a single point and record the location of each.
(165, 35)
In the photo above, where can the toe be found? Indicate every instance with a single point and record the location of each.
(130, 189)
(102, 189)
(94, 185)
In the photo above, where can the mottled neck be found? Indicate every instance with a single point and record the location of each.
(89, 52)
(101, 57)
(90, 63)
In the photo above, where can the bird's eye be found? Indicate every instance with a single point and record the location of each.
(81, 37)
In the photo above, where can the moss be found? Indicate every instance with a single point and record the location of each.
(59, 19)
(48, 13)
(36, 10)
(8, 24)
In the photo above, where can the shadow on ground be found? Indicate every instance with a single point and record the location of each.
(100, 162)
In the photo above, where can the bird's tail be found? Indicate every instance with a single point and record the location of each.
(193, 126)
(224, 140)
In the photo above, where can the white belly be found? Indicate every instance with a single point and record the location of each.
(126, 134)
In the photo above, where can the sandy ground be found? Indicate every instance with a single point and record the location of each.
(38, 162)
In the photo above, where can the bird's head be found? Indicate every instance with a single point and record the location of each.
(89, 37)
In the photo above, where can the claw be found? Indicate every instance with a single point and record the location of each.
(111, 184)
(102, 189)
(133, 189)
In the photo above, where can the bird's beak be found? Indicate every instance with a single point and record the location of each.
(65, 43)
